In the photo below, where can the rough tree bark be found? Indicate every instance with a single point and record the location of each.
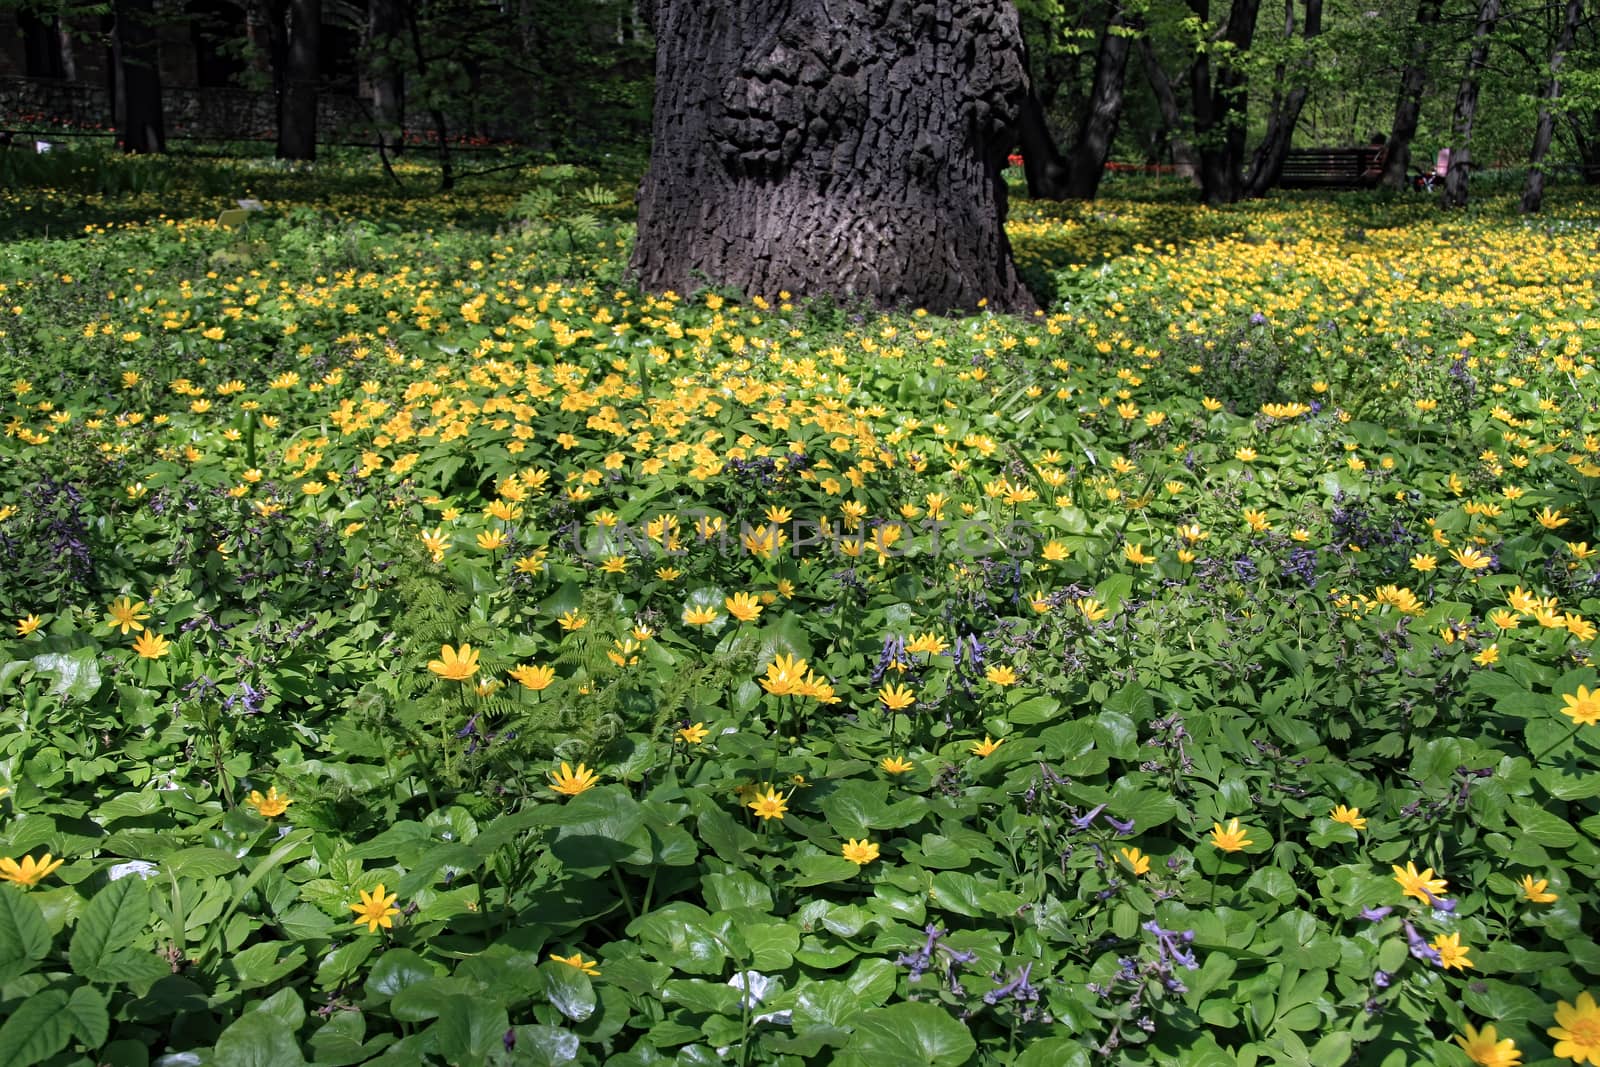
(138, 75)
(1408, 110)
(1533, 191)
(1086, 164)
(851, 147)
(1455, 182)
(1266, 167)
(1184, 162)
(297, 104)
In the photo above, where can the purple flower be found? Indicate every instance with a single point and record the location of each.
(1122, 828)
(1083, 822)
(1375, 914)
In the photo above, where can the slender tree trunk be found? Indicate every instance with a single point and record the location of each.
(1183, 157)
(1408, 110)
(1087, 163)
(297, 106)
(1219, 102)
(851, 147)
(1587, 138)
(139, 72)
(1266, 168)
(386, 75)
(1455, 182)
(1533, 191)
(1042, 162)
(441, 131)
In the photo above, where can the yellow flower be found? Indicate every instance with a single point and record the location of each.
(1550, 519)
(491, 540)
(572, 622)
(785, 674)
(1534, 891)
(1256, 520)
(27, 624)
(897, 697)
(376, 909)
(1137, 861)
(1484, 1048)
(456, 665)
(1424, 562)
(1425, 887)
(896, 765)
(1470, 558)
(1489, 655)
(699, 616)
(987, 746)
(1000, 675)
(127, 613)
(1137, 555)
(742, 606)
(436, 541)
(769, 805)
(270, 805)
(1055, 551)
(535, 678)
(30, 871)
(930, 642)
(1577, 1029)
(569, 782)
(1090, 608)
(1583, 707)
(588, 967)
(860, 852)
(1452, 953)
(151, 645)
(1231, 839)
(693, 735)
(1351, 817)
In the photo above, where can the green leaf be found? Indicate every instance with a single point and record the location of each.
(76, 674)
(569, 990)
(39, 1028)
(113, 920)
(545, 1046)
(259, 964)
(396, 969)
(602, 826)
(257, 1039)
(24, 935)
(1542, 827)
(87, 1010)
(910, 1035)
(701, 996)
(469, 1028)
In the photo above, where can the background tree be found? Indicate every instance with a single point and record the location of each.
(847, 147)
(137, 70)
(1455, 183)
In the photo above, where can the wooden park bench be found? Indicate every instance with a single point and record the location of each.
(1333, 168)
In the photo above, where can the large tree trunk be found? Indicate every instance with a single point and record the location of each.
(1408, 110)
(138, 73)
(1455, 182)
(1533, 191)
(1266, 168)
(297, 106)
(1087, 163)
(1183, 157)
(852, 147)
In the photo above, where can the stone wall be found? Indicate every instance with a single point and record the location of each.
(204, 114)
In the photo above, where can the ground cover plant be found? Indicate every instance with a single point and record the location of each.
(422, 647)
